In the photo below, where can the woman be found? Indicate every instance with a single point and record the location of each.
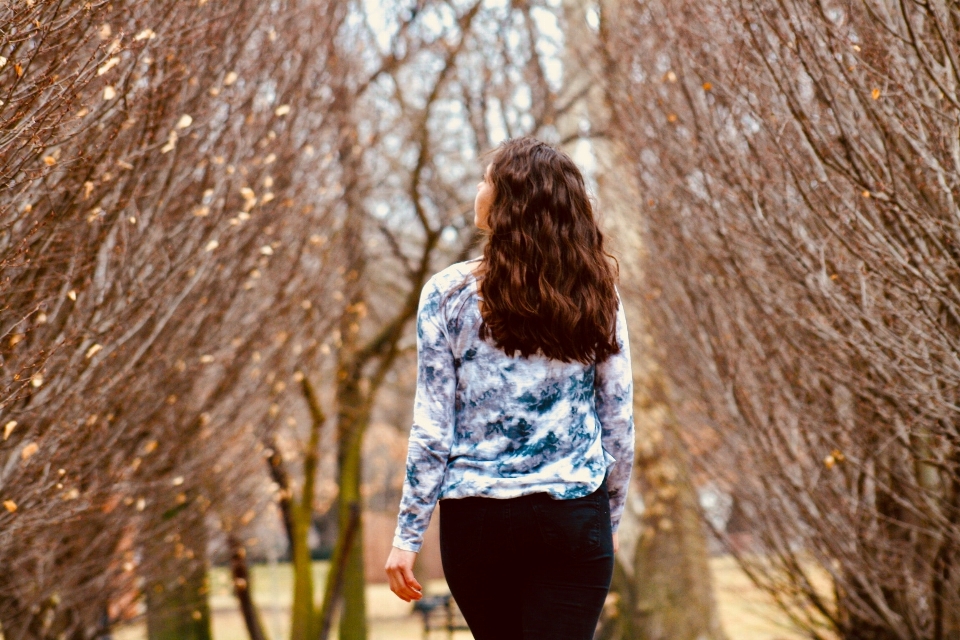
(523, 416)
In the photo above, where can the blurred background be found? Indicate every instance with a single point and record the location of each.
(216, 218)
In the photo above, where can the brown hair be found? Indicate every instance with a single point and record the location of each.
(545, 280)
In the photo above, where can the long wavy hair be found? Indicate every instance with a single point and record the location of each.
(545, 279)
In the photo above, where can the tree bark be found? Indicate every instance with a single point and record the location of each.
(338, 570)
(672, 588)
(354, 413)
(177, 606)
(303, 624)
(242, 589)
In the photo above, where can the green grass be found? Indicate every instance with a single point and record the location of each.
(746, 613)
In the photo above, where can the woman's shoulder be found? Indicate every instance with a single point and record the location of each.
(454, 275)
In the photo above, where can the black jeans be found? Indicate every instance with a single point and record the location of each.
(528, 568)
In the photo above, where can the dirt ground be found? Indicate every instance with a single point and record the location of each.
(745, 612)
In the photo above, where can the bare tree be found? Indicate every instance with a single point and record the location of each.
(165, 228)
(798, 169)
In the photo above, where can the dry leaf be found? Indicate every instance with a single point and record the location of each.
(150, 447)
(178, 481)
(72, 294)
(3, 61)
(266, 250)
(282, 110)
(8, 428)
(105, 31)
(109, 93)
(87, 189)
(10, 505)
(230, 79)
(73, 494)
(707, 86)
(213, 244)
(19, 69)
(171, 143)
(146, 34)
(29, 450)
(49, 161)
(184, 121)
(109, 64)
(92, 351)
(875, 94)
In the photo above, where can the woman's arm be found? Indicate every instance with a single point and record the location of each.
(614, 403)
(431, 434)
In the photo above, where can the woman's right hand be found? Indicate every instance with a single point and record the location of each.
(400, 574)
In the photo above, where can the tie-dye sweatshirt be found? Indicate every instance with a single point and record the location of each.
(488, 424)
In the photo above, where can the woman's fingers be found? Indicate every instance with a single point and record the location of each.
(400, 586)
(411, 581)
(400, 589)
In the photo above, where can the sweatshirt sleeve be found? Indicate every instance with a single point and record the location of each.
(614, 402)
(431, 434)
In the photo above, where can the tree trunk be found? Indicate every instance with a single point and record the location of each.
(354, 412)
(302, 614)
(335, 579)
(672, 587)
(242, 588)
(353, 400)
(665, 590)
(303, 623)
(177, 606)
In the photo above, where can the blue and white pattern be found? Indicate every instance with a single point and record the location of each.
(487, 424)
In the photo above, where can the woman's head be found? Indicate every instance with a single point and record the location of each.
(545, 280)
